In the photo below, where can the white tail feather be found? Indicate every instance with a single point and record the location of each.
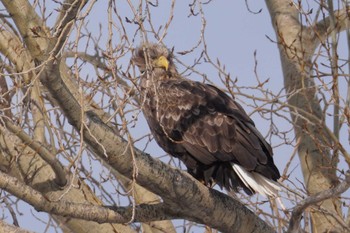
(257, 182)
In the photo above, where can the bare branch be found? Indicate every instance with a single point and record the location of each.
(34, 171)
(298, 210)
(337, 21)
(5, 227)
(68, 12)
(30, 25)
(44, 153)
(144, 213)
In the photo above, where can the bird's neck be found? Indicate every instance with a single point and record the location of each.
(154, 79)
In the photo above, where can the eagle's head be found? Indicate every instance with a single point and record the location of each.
(154, 60)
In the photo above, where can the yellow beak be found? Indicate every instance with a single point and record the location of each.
(162, 62)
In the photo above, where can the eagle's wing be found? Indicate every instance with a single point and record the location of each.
(210, 125)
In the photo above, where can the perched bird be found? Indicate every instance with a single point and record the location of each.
(203, 127)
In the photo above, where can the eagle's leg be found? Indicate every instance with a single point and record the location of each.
(200, 176)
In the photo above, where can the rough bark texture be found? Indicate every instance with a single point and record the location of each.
(297, 45)
(7, 228)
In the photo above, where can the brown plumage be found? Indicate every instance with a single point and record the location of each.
(204, 127)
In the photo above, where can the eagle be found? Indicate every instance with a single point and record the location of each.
(202, 126)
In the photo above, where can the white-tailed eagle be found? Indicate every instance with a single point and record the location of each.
(202, 126)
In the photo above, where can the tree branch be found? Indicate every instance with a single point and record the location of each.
(61, 176)
(314, 199)
(22, 162)
(30, 26)
(100, 214)
(325, 26)
(5, 227)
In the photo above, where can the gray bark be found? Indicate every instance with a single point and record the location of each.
(297, 44)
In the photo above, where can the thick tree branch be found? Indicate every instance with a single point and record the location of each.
(71, 9)
(36, 35)
(11, 47)
(100, 214)
(68, 12)
(5, 100)
(143, 196)
(30, 26)
(5, 227)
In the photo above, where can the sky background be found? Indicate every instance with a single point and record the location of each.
(233, 35)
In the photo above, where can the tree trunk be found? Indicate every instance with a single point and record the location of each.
(297, 45)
